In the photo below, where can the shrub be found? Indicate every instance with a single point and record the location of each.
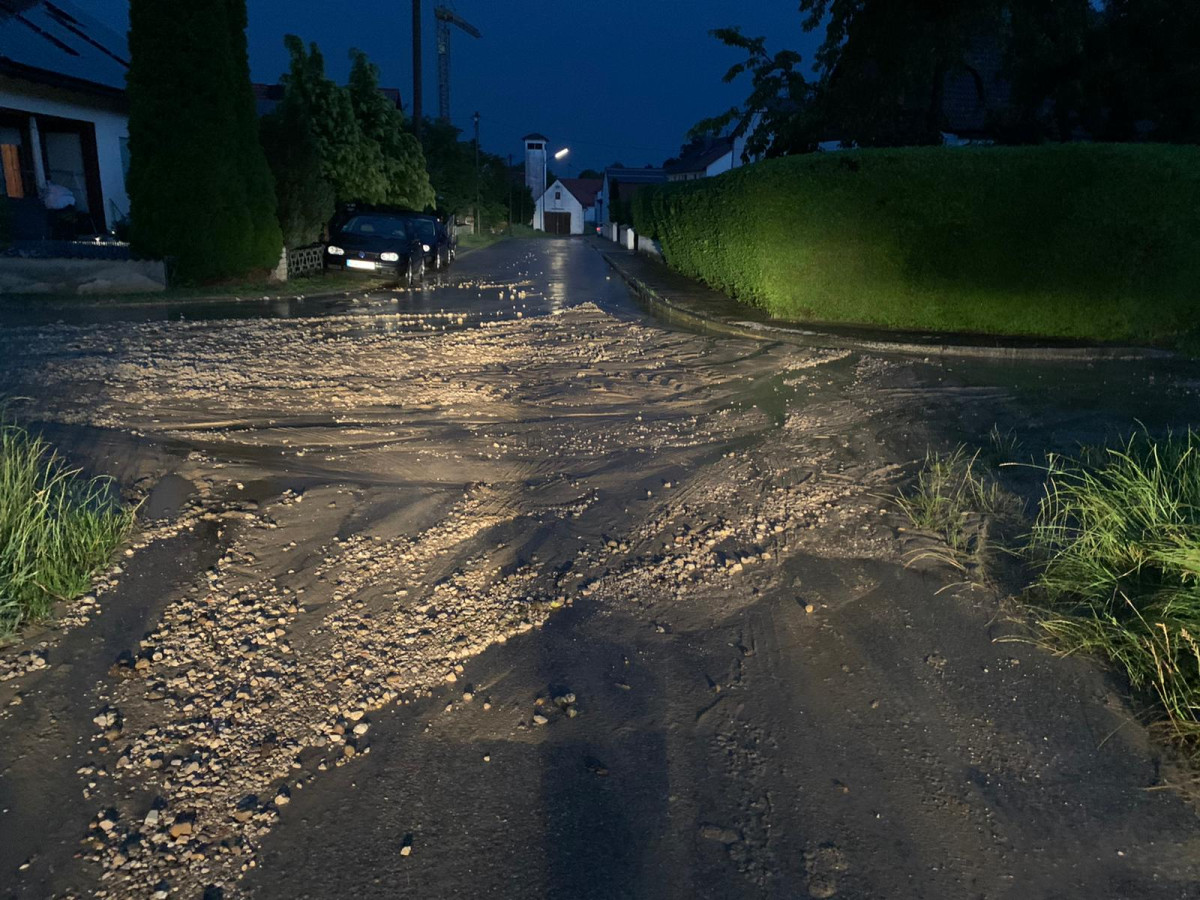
(56, 528)
(1080, 241)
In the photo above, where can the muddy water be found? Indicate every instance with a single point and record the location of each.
(433, 513)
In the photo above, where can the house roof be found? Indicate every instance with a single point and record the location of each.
(534, 136)
(584, 189)
(57, 43)
(647, 175)
(699, 155)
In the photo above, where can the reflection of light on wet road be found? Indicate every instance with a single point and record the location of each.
(556, 276)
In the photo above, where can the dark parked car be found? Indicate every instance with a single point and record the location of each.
(379, 241)
(436, 241)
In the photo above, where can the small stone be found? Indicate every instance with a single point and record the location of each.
(809, 608)
(361, 728)
(182, 828)
(539, 719)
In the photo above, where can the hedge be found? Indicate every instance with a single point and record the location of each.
(1081, 241)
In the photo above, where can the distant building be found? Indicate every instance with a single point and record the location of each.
(63, 115)
(535, 170)
(620, 184)
(569, 205)
(705, 157)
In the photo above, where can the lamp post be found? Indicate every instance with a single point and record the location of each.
(475, 119)
(560, 155)
(417, 86)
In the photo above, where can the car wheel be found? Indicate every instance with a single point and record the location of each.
(408, 274)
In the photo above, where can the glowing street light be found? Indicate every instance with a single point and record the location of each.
(561, 154)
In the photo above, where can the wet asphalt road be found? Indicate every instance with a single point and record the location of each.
(730, 741)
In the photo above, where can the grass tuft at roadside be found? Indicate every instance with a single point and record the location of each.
(57, 528)
(1112, 556)
(1117, 547)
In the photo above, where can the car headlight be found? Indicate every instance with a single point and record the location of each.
(390, 257)
(425, 247)
(336, 251)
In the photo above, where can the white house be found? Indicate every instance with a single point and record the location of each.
(568, 206)
(705, 157)
(63, 114)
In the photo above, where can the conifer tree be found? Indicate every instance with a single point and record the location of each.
(200, 191)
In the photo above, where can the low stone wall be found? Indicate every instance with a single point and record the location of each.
(81, 276)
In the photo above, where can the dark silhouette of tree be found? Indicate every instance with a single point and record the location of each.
(200, 188)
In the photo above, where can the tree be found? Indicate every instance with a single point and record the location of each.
(406, 181)
(778, 116)
(1150, 80)
(885, 64)
(306, 199)
(452, 171)
(365, 151)
(200, 189)
(350, 162)
(591, 173)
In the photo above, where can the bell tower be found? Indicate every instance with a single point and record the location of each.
(535, 169)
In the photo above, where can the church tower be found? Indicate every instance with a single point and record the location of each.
(535, 170)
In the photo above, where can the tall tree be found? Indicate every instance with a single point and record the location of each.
(780, 114)
(885, 64)
(350, 162)
(306, 198)
(200, 190)
(406, 180)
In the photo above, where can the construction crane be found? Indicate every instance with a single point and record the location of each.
(445, 18)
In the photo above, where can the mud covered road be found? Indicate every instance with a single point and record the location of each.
(500, 589)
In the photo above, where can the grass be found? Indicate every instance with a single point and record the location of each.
(57, 528)
(951, 493)
(1113, 553)
(1117, 547)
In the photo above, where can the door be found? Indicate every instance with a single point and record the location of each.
(558, 223)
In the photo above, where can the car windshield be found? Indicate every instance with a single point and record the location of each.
(377, 226)
(426, 229)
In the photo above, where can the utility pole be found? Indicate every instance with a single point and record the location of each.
(478, 223)
(510, 192)
(416, 101)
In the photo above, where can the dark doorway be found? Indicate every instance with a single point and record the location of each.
(558, 223)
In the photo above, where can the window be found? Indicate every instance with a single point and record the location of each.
(558, 195)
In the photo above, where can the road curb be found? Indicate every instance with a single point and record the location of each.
(676, 314)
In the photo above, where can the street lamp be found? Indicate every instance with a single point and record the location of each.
(561, 154)
(475, 119)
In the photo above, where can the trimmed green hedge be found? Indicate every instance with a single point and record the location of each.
(1084, 241)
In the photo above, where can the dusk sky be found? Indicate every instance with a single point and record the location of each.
(621, 80)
